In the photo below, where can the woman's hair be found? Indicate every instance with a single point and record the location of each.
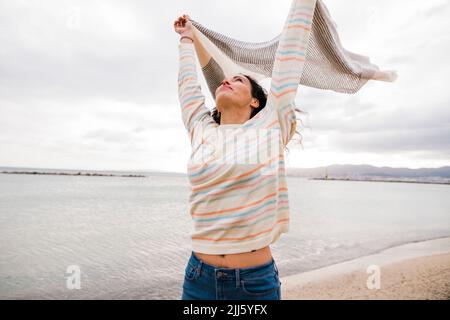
(258, 92)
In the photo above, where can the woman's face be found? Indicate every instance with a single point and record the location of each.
(236, 90)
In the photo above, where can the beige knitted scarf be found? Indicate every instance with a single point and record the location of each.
(327, 65)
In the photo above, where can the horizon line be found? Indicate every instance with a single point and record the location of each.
(184, 172)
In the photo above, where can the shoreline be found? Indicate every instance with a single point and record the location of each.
(418, 270)
(74, 174)
(380, 180)
(96, 174)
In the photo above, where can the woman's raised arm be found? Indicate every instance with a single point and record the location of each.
(191, 98)
(288, 65)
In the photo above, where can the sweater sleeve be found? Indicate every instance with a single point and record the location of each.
(192, 101)
(289, 63)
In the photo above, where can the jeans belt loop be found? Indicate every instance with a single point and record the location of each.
(238, 280)
(199, 268)
(275, 266)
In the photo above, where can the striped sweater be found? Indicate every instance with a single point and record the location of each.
(239, 194)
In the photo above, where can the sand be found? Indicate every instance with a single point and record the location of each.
(413, 271)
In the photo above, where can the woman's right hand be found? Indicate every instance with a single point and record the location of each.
(183, 25)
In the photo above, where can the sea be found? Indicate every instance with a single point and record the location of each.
(103, 237)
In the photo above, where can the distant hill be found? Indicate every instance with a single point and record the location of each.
(369, 172)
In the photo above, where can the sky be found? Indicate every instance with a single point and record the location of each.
(93, 84)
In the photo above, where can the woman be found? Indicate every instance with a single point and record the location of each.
(239, 206)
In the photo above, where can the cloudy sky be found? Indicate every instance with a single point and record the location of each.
(93, 84)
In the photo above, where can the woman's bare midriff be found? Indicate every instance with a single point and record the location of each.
(237, 260)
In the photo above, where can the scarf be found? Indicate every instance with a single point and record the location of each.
(328, 65)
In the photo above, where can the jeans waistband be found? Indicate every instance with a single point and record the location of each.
(236, 272)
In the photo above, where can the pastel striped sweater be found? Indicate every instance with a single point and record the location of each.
(239, 194)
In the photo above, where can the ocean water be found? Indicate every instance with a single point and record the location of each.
(129, 237)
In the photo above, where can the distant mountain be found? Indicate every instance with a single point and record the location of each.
(362, 172)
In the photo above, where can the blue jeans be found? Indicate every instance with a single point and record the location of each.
(203, 281)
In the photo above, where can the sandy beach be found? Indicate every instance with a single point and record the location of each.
(414, 271)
